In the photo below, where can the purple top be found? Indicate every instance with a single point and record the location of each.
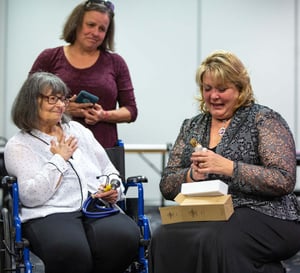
(108, 78)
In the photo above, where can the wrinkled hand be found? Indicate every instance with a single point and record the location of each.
(110, 196)
(64, 147)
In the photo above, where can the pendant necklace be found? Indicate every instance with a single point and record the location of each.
(222, 130)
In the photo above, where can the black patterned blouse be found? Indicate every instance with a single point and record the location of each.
(262, 147)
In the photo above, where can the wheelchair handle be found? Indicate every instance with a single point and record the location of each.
(8, 180)
(137, 179)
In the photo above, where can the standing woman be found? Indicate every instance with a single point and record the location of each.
(88, 63)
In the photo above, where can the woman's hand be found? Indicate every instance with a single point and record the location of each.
(77, 109)
(95, 114)
(110, 196)
(205, 162)
(64, 147)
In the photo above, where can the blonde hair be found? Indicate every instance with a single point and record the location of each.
(225, 67)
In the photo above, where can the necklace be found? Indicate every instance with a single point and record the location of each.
(222, 130)
(38, 138)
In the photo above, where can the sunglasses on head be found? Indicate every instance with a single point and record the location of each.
(103, 3)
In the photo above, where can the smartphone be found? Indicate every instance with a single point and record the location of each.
(86, 97)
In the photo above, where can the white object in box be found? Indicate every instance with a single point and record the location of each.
(205, 188)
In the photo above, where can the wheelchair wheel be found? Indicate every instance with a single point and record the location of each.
(6, 243)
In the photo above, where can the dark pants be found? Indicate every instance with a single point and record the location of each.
(69, 242)
(249, 242)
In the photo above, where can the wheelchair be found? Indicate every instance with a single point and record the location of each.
(15, 255)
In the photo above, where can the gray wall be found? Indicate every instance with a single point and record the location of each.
(2, 64)
(163, 42)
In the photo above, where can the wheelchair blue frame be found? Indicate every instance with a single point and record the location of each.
(18, 228)
(20, 246)
(21, 250)
(142, 221)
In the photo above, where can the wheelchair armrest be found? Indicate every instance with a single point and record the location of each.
(137, 179)
(8, 180)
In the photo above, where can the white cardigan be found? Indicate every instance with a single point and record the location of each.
(28, 157)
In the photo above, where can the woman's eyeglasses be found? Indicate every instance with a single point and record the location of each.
(54, 99)
(106, 4)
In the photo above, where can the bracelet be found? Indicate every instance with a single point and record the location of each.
(191, 175)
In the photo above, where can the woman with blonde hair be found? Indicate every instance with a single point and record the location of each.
(250, 148)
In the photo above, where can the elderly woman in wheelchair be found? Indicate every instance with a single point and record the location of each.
(58, 163)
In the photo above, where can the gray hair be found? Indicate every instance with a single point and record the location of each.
(24, 111)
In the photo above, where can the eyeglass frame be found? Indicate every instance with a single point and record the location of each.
(63, 99)
(107, 4)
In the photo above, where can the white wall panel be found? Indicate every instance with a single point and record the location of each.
(159, 41)
(32, 26)
(2, 64)
(262, 34)
(163, 42)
